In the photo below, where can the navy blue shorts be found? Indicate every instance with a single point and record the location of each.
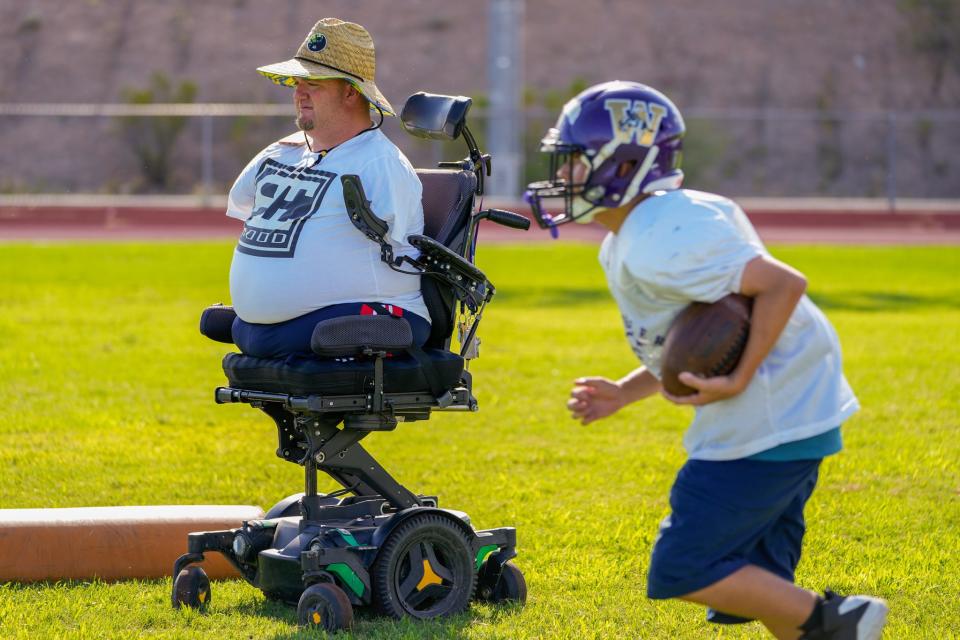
(728, 514)
(293, 336)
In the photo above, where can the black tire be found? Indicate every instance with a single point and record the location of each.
(191, 588)
(510, 587)
(425, 543)
(325, 606)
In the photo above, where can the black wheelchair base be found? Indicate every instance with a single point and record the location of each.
(383, 546)
(422, 561)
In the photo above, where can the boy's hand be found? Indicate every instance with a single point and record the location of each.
(595, 398)
(708, 389)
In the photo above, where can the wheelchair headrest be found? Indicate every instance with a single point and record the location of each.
(435, 117)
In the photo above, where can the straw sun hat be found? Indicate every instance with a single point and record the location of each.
(333, 49)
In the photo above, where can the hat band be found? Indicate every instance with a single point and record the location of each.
(330, 66)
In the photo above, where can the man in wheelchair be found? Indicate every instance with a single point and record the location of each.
(382, 545)
(299, 260)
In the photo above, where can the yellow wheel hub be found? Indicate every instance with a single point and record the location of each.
(429, 576)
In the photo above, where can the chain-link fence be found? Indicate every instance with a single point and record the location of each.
(198, 149)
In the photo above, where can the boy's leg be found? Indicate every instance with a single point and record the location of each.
(756, 593)
(732, 542)
(734, 526)
(778, 550)
(753, 592)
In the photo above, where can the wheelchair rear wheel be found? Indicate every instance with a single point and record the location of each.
(289, 506)
(424, 570)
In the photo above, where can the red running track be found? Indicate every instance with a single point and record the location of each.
(777, 221)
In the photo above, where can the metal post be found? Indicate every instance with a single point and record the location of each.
(892, 160)
(505, 79)
(206, 169)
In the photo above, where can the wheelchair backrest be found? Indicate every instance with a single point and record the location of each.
(447, 205)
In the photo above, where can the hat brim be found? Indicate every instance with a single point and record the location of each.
(288, 73)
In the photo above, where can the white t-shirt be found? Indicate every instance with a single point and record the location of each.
(682, 246)
(299, 252)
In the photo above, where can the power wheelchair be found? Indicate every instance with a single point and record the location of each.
(374, 542)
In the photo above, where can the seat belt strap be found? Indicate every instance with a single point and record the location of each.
(418, 354)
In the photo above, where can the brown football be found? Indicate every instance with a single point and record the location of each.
(705, 339)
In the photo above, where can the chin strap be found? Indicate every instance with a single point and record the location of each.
(634, 186)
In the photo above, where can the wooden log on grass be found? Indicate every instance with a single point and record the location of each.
(110, 543)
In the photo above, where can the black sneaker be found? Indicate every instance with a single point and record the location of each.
(849, 618)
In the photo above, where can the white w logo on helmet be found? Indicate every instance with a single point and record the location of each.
(635, 119)
(632, 122)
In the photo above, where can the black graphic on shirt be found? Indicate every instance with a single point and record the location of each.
(286, 198)
(639, 339)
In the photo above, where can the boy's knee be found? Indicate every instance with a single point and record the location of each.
(681, 564)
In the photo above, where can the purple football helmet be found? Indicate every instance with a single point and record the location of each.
(628, 136)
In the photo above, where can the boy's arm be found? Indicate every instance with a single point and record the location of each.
(594, 398)
(776, 288)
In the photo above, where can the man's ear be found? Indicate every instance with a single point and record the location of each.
(354, 98)
(351, 93)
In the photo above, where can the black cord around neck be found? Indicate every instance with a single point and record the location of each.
(324, 152)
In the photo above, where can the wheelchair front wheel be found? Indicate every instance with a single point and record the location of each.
(511, 586)
(191, 588)
(325, 606)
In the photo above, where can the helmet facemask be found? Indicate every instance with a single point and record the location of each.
(609, 180)
(561, 184)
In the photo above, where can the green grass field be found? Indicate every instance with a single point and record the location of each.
(106, 399)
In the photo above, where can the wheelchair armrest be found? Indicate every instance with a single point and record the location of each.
(216, 322)
(358, 208)
(443, 258)
(352, 335)
(469, 284)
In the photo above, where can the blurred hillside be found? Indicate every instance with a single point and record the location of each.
(833, 59)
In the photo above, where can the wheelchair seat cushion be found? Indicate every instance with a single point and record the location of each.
(305, 375)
